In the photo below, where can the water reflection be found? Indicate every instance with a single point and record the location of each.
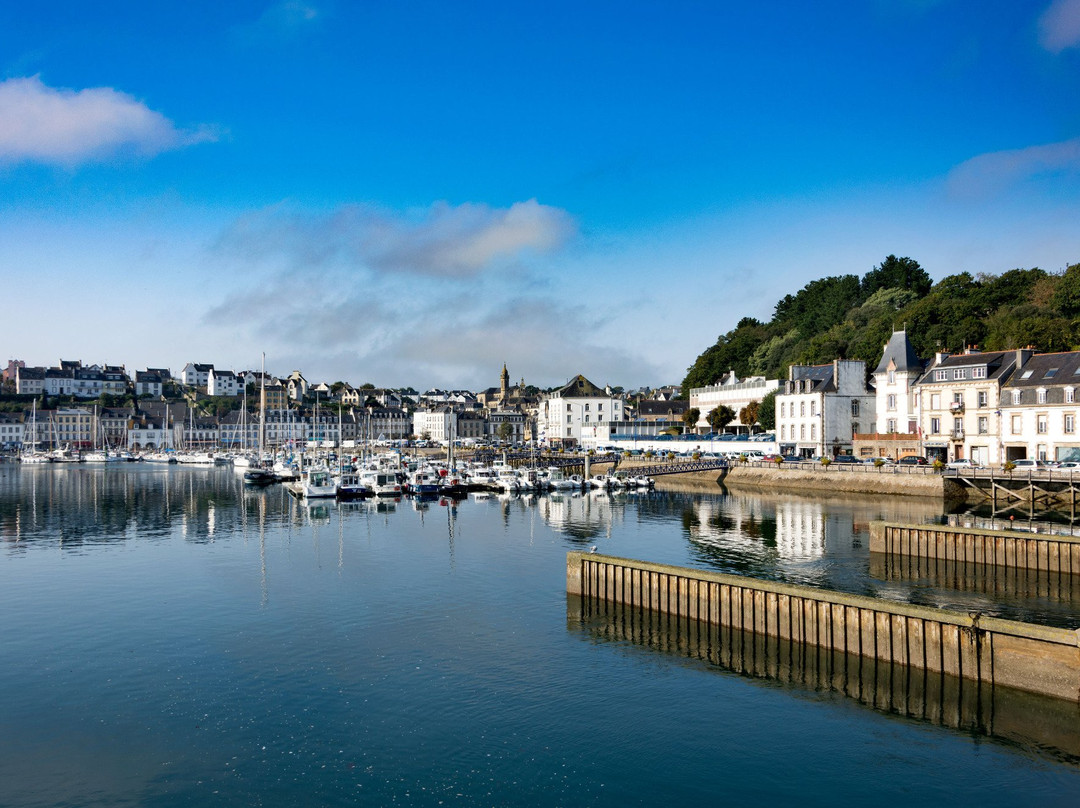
(1043, 726)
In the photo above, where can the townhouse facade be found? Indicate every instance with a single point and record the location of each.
(575, 405)
(959, 405)
(823, 407)
(1040, 408)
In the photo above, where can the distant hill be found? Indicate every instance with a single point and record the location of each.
(845, 317)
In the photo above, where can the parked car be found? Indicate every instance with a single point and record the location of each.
(913, 460)
(1068, 465)
(1030, 464)
(962, 463)
(845, 459)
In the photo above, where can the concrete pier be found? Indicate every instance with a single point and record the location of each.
(1022, 656)
(1050, 553)
(1046, 725)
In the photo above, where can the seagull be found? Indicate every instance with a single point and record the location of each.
(592, 549)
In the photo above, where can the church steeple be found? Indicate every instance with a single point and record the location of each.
(504, 385)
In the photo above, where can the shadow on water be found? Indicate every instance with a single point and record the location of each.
(1037, 724)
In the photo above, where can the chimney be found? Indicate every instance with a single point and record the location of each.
(1023, 355)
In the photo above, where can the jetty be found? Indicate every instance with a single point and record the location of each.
(990, 651)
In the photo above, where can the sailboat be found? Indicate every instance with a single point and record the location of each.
(33, 455)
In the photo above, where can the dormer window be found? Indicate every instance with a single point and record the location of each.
(978, 373)
(959, 373)
(1016, 396)
(941, 375)
(1070, 395)
(1040, 396)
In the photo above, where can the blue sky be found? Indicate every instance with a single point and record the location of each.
(413, 193)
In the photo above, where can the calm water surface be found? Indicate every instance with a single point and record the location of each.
(170, 638)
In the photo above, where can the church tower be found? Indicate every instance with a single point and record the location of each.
(504, 385)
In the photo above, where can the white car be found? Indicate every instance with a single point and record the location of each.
(961, 464)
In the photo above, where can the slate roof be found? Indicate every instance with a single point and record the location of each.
(1044, 370)
(580, 387)
(901, 352)
(997, 363)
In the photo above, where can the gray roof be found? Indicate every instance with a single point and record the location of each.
(901, 353)
(1043, 370)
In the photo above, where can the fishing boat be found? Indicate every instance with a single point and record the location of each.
(314, 484)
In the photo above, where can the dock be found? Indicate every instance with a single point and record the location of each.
(990, 651)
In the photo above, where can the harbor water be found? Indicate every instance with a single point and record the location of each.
(172, 638)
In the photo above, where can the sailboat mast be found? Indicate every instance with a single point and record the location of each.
(262, 406)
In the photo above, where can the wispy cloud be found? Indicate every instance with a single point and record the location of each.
(442, 240)
(69, 127)
(283, 20)
(1059, 26)
(987, 174)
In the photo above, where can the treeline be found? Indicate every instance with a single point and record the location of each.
(846, 317)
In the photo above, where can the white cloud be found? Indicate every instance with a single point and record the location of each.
(1059, 26)
(69, 127)
(440, 241)
(993, 172)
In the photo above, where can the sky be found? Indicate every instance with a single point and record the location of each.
(415, 193)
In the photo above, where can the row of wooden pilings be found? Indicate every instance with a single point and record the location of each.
(1023, 656)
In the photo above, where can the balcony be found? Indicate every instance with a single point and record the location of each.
(956, 406)
(958, 434)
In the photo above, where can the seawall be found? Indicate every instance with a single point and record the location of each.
(1022, 656)
(835, 479)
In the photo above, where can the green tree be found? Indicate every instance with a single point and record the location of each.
(897, 273)
(767, 412)
(720, 417)
(690, 419)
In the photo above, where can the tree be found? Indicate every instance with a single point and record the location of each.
(766, 415)
(690, 418)
(897, 273)
(749, 414)
(720, 417)
(505, 431)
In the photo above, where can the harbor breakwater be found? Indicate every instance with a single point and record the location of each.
(988, 650)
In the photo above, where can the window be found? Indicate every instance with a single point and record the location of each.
(1051, 373)
(941, 375)
(813, 409)
(1070, 395)
(783, 410)
(984, 425)
(891, 425)
(586, 417)
(959, 373)
(802, 431)
(1041, 425)
(890, 401)
(978, 373)
(1040, 396)
(1070, 424)
(783, 431)
(935, 426)
(892, 376)
(1026, 374)
(802, 408)
(935, 401)
(586, 406)
(1016, 394)
(813, 431)
(568, 408)
(600, 407)
(982, 398)
(854, 408)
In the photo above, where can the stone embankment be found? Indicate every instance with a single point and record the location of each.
(804, 477)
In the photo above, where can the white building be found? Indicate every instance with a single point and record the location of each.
(223, 383)
(822, 407)
(1040, 409)
(194, 375)
(578, 403)
(437, 424)
(731, 392)
(960, 405)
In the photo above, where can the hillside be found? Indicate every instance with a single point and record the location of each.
(845, 317)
